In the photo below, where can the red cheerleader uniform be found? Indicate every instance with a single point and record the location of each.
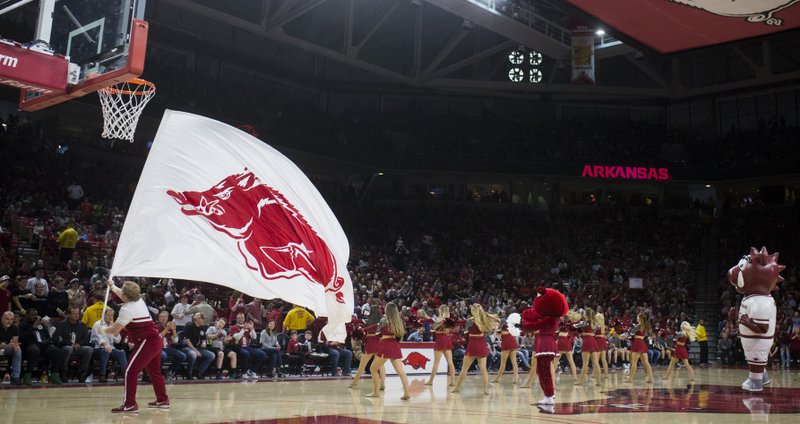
(601, 340)
(507, 341)
(589, 345)
(566, 337)
(680, 348)
(638, 345)
(371, 340)
(388, 347)
(476, 345)
(442, 340)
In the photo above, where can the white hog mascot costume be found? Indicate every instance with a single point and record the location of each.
(756, 277)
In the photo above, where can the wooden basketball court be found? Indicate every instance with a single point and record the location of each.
(715, 397)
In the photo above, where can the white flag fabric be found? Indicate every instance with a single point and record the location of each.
(215, 204)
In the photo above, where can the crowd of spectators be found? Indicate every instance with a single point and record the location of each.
(613, 258)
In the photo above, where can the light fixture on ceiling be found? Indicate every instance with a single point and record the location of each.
(600, 32)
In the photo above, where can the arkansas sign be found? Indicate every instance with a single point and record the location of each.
(625, 172)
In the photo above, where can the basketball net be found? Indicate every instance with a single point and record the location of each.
(122, 105)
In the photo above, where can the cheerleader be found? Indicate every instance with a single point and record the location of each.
(687, 333)
(601, 340)
(508, 348)
(391, 329)
(477, 326)
(443, 345)
(639, 348)
(370, 347)
(566, 339)
(532, 371)
(589, 348)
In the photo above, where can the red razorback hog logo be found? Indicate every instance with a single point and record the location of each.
(273, 236)
(416, 360)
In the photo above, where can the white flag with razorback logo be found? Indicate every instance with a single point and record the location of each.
(215, 204)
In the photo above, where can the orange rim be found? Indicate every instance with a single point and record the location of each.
(114, 90)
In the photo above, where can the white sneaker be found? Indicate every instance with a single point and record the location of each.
(547, 400)
(252, 375)
(246, 375)
(547, 409)
(750, 386)
(89, 379)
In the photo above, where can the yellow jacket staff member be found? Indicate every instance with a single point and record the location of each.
(702, 340)
(66, 243)
(92, 313)
(297, 319)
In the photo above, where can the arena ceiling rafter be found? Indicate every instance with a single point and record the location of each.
(462, 45)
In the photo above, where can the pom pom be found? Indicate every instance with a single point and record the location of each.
(513, 324)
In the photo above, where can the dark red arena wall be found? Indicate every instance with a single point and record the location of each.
(669, 26)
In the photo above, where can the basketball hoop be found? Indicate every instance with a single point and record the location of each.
(122, 105)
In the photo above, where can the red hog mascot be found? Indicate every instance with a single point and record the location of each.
(756, 277)
(543, 319)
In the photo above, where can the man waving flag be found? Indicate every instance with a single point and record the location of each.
(218, 205)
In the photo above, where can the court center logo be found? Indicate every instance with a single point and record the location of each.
(416, 360)
(752, 10)
(273, 237)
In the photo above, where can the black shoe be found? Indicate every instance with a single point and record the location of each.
(16, 382)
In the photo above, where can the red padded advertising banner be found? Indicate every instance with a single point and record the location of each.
(23, 68)
(670, 26)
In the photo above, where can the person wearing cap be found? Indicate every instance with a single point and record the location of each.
(5, 294)
(179, 314)
(201, 305)
(76, 296)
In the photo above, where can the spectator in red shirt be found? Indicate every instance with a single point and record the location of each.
(254, 312)
(249, 358)
(235, 306)
(276, 314)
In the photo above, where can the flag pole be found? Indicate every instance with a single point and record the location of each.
(105, 302)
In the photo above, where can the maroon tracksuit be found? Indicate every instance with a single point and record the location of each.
(146, 352)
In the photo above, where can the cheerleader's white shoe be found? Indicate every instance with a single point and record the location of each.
(547, 400)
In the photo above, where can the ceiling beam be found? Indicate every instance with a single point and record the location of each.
(282, 8)
(376, 27)
(279, 35)
(472, 59)
(647, 70)
(455, 39)
(416, 59)
(348, 28)
(293, 14)
(566, 89)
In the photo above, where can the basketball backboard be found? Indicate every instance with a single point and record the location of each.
(104, 42)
